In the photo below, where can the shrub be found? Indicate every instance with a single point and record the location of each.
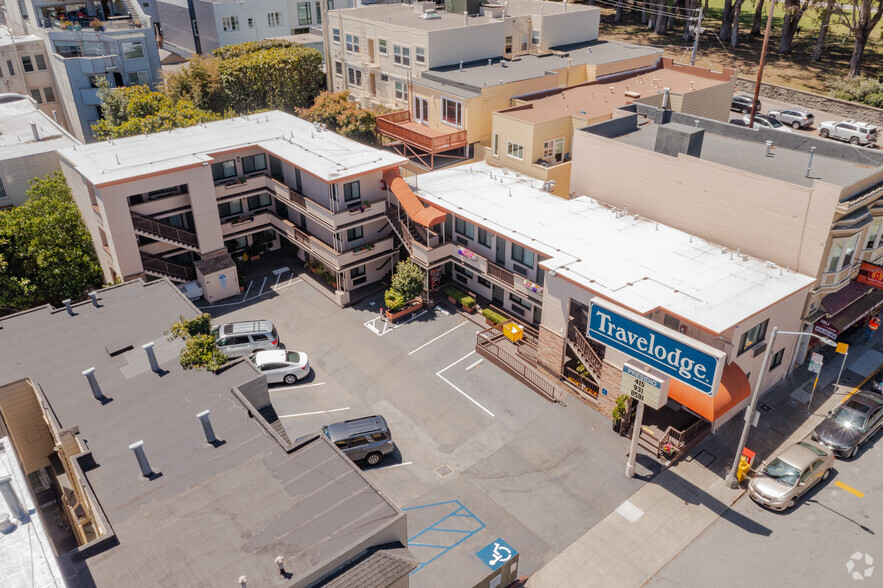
(495, 317)
(859, 89)
(407, 279)
(201, 351)
(201, 325)
(619, 410)
(394, 300)
(467, 301)
(454, 293)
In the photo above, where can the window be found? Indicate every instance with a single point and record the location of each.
(226, 209)
(274, 19)
(298, 184)
(452, 112)
(464, 228)
(842, 251)
(753, 337)
(352, 192)
(259, 201)
(483, 282)
(484, 237)
(522, 255)
(420, 54)
(508, 48)
(514, 150)
(338, 68)
(335, 36)
(254, 163)
(137, 78)
(357, 275)
(230, 23)
(354, 76)
(384, 78)
(849, 251)
(554, 149)
(26, 63)
(671, 322)
(35, 94)
(3, 193)
(50, 94)
(381, 46)
(401, 91)
(354, 234)
(496, 145)
(873, 233)
(251, 23)
(352, 43)
(9, 67)
(223, 170)
(319, 11)
(520, 301)
(776, 360)
(401, 55)
(524, 42)
(462, 270)
(135, 50)
(304, 16)
(237, 244)
(535, 37)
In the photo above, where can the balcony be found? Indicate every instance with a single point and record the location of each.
(419, 142)
(426, 248)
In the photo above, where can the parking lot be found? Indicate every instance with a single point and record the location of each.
(473, 445)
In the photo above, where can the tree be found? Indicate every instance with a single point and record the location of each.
(408, 279)
(199, 82)
(758, 19)
(135, 110)
(288, 75)
(824, 23)
(342, 115)
(201, 325)
(794, 10)
(201, 351)
(46, 253)
(861, 19)
(737, 13)
(726, 21)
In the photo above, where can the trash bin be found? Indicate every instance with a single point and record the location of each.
(513, 332)
(745, 464)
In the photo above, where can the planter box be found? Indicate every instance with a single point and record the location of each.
(452, 301)
(469, 309)
(394, 316)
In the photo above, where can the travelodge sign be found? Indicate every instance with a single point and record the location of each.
(685, 359)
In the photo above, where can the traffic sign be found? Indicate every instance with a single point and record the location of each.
(815, 363)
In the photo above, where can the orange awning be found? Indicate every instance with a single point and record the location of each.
(426, 216)
(733, 389)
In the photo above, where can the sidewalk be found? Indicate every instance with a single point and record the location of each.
(634, 542)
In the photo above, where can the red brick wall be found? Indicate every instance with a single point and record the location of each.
(610, 380)
(550, 351)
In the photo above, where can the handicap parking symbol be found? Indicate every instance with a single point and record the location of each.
(496, 554)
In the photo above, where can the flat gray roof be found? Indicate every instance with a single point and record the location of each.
(214, 513)
(17, 113)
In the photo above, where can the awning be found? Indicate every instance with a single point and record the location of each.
(837, 301)
(856, 311)
(426, 216)
(733, 389)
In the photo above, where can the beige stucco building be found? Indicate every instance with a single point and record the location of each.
(24, 70)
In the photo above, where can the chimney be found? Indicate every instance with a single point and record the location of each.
(94, 297)
(207, 426)
(93, 383)
(8, 492)
(138, 448)
(67, 305)
(35, 131)
(151, 356)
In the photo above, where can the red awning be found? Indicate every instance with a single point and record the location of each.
(426, 216)
(837, 301)
(733, 389)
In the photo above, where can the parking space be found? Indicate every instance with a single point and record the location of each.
(468, 435)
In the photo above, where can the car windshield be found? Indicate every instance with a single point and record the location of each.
(783, 472)
(848, 418)
(293, 356)
(774, 123)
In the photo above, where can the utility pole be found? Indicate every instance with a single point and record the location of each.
(697, 30)
(766, 41)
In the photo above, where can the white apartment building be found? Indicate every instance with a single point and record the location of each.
(25, 70)
(28, 141)
(178, 204)
(376, 51)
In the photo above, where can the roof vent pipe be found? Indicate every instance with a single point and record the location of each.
(665, 92)
(461, 66)
(94, 297)
(489, 61)
(243, 581)
(93, 383)
(565, 5)
(696, 123)
(138, 448)
(769, 145)
(812, 151)
(280, 561)
(151, 356)
(207, 426)
(35, 131)
(11, 498)
(466, 20)
(67, 305)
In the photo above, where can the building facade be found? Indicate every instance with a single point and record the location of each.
(25, 70)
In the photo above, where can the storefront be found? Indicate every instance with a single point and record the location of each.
(851, 306)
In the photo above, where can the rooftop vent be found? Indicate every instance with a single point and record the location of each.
(138, 448)
(93, 383)
(429, 15)
(151, 356)
(12, 501)
(207, 427)
(94, 297)
(35, 131)
(67, 305)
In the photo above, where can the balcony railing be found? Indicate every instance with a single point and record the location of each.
(500, 273)
(398, 125)
(173, 270)
(161, 230)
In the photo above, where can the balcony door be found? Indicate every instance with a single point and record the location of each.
(421, 110)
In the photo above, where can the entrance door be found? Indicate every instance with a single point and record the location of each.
(497, 295)
(537, 314)
(501, 251)
(421, 110)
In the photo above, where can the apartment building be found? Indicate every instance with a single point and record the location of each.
(25, 70)
(535, 136)
(178, 204)
(28, 142)
(804, 203)
(107, 438)
(544, 261)
(123, 51)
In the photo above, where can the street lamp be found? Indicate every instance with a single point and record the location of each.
(731, 479)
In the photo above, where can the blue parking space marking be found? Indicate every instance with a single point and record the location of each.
(447, 532)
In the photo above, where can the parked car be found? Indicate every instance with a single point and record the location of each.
(365, 439)
(280, 365)
(851, 424)
(790, 474)
(762, 121)
(742, 103)
(798, 118)
(245, 337)
(856, 132)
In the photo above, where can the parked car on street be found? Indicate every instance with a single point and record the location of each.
(245, 337)
(798, 118)
(790, 474)
(852, 423)
(742, 103)
(762, 121)
(280, 365)
(856, 132)
(364, 439)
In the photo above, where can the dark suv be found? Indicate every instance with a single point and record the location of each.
(365, 439)
(742, 103)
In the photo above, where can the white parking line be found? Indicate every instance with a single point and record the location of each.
(395, 465)
(297, 387)
(286, 416)
(291, 282)
(247, 290)
(439, 337)
(475, 402)
(386, 328)
(261, 291)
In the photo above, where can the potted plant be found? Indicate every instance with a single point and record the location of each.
(619, 412)
(454, 295)
(468, 304)
(492, 318)
(668, 450)
(96, 24)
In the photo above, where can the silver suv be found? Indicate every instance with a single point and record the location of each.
(798, 118)
(245, 337)
(856, 132)
(366, 439)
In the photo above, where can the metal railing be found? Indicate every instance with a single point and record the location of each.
(156, 228)
(588, 355)
(581, 382)
(391, 126)
(167, 268)
(681, 438)
(487, 341)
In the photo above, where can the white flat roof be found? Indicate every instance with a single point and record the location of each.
(16, 137)
(324, 154)
(636, 262)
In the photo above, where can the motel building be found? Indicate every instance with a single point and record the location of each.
(596, 288)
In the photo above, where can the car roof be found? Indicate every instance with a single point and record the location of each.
(868, 399)
(346, 429)
(240, 327)
(802, 454)
(271, 356)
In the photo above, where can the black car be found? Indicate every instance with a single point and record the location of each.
(852, 423)
(742, 103)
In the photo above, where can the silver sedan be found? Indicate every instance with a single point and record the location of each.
(280, 365)
(790, 474)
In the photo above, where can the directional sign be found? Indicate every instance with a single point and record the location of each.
(815, 363)
(496, 554)
(644, 386)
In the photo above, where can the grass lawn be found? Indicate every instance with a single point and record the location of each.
(795, 70)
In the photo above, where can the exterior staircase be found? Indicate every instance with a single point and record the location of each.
(131, 9)
(150, 227)
(161, 268)
(584, 351)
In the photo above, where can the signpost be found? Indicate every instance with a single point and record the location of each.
(647, 387)
(815, 366)
(844, 349)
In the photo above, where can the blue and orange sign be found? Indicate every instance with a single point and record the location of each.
(871, 274)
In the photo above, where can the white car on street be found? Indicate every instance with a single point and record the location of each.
(281, 365)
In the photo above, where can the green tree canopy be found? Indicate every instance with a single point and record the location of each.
(342, 115)
(199, 82)
(46, 253)
(408, 279)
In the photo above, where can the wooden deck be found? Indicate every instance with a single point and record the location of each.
(418, 141)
